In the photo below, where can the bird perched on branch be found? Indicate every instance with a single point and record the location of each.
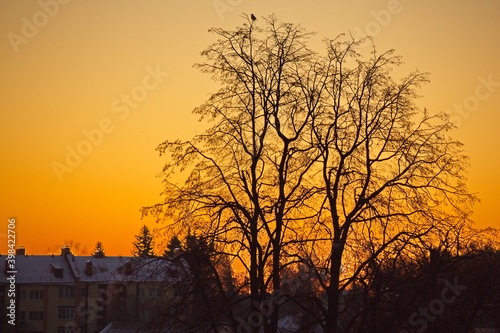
(252, 16)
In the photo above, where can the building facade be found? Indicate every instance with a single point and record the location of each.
(68, 293)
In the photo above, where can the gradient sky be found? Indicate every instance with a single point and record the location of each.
(66, 70)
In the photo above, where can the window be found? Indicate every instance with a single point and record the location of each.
(154, 292)
(35, 315)
(36, 294)
(66, 312)
(22, 294)
(65, 330)
(67, 291)
(141, 292)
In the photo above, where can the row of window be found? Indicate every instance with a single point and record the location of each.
(64, 292)
(65, 312)
(69, 292)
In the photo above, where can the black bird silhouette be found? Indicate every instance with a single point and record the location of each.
(252, 16)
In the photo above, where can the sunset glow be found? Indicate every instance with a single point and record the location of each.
(91, 88)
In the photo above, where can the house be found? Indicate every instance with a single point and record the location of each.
(59, 293)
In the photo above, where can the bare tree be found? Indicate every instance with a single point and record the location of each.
(77, 248)
(247, 184)
(308, 160)
(390, 176)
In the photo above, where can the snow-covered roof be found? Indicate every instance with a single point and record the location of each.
(33, 269)
(67, 269)
(103, 269)
(130, 269)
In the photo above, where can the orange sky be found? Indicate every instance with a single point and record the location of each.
(69, 67)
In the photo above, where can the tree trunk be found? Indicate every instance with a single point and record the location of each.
(333, 292)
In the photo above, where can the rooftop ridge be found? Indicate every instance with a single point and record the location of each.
(70, 260)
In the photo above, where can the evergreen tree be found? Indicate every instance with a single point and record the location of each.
(144, 243)
(175, 243)
(99, 250)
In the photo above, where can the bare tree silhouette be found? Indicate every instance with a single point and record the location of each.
(317, 161)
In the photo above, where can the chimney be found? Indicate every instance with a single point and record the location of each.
(65, 250)
(20, 251)
(128, 268)
(88, 268)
